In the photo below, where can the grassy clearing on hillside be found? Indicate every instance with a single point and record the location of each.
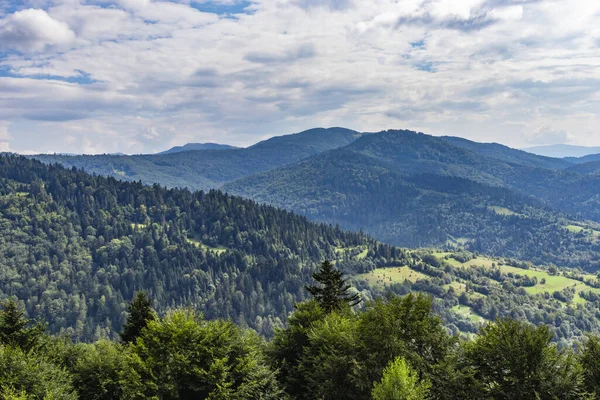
(391, 275)
(552, 283)
(383, 277)
(218, 250)
(466, 311)
(586, 230)
(502, 211)
(361, 252)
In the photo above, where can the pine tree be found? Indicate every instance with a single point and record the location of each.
(333, 295)
(15, 329)
(140, 314)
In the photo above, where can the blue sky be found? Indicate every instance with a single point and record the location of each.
(139, 76)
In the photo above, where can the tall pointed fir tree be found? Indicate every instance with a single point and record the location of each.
(333, 294)
(16, 329)
(140, 314)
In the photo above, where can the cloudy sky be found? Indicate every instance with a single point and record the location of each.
(140, 75)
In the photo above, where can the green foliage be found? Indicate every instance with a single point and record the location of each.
(402, 327)
(188, 358)
(400, 382)
(333, 295)
(31, 376)
(140, 314)
(590, 361)
(331, 360)
(76, 248)
(340, 354)
(514, 360)
(394, 349)
(15, 329)
(104, 371)
(287, 347)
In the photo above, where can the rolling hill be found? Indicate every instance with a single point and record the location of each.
(198, 146)
(74, 249)
(208, 169)
(508, 154)
(562, 150)
(402, 187)
(416, 210)
(584, 159)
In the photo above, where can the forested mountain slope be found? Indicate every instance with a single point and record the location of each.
(409, 189)
(590, 167)
(507, 154)
(403, 187)
(74, 248)
(357, 191)
(208, 169)
(409, 152)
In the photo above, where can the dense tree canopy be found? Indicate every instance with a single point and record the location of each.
(75, 248)
(395, 349)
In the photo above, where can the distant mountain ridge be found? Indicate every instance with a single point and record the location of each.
(402, 187)
(198, 146)
(209, 169)
(508, 154)
(562, 150)
(412, 189)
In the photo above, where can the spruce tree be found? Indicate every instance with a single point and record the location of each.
(15, 329)
(140, 313)
(334, 292)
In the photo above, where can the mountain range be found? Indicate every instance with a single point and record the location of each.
(75, 249)
(402, 187)
(198, 146)
(563, 150)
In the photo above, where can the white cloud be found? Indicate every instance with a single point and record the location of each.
(4, 136)
(143, 75)
(548, 135)
(511, 13)
(33, 30)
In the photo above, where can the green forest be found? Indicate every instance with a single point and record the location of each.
(400, 187)
(393, 348)
(76, 248)
(119, 290)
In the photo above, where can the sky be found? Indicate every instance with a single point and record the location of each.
(139, 76)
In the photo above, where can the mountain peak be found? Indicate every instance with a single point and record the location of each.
(198, 146)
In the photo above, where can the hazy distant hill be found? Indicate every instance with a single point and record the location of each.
(562, 150)
(584, 159)
(413, 189)
(590, 167)
(508, 154)
(198, 146)
(210, 168)
(402, 187)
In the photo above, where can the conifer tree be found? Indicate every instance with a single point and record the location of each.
(15, 329)
(334, 292)
(140, 313)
